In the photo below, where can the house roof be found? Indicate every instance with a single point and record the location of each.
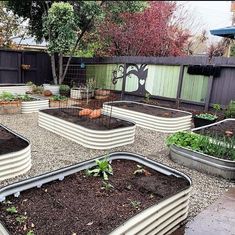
(227, 32)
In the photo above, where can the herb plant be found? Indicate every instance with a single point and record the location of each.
(12, 210)
(207, 116)
(58, 98)
(7, 96)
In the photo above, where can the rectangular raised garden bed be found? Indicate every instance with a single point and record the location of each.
(15, 154)
(10, 107)
(150, 116)
(95, 134)
(79, 205)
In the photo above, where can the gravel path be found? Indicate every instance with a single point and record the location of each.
(50, 152)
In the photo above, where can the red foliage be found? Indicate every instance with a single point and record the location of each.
(154, 32)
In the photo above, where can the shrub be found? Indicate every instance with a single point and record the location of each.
(64, 90)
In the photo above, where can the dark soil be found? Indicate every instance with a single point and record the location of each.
(219, 129)
(155, 111)
(79, 205)
(9, 142)
(102, 123)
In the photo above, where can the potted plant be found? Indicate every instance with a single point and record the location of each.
(204, 119)
(64, 90)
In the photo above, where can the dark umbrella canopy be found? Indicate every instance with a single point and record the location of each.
(227, 32)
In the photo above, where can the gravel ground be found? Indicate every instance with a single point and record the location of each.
(50, 152)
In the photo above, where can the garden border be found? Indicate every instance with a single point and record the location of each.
(160, 218)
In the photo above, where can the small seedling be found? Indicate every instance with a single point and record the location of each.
(141, 171)
(12, 210)
(7, 202)
(30, 232)
(135, 204)
(107, 186)
(216, 107)
(21, 219)
(103, 168)
(147, 96)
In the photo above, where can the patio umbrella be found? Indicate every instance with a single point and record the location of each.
(227, 32)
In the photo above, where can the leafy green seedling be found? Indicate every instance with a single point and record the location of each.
(30, 232)
(21, 219)
(12, 210)
(141, 171)
(107, 186)
(135, 204)
(103, 168)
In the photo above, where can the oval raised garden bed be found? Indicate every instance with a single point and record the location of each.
(34, 105)
(203, 162)
(150, 116)
(95, 134)
(19, 89)
(78, 204)
(15, 154)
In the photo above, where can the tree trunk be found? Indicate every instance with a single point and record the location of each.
(61, 77)
(53, 69)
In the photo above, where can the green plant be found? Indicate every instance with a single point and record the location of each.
(206, 116)
(37, 89)
(106, 186)
(25, 97)
(7, 96)
(29, 83)
(21, 219)
(58, 98)
(216, 107)
(147, 96)
(103, 168)
(30, 232)
(135, 204)
(64, 90)
(12, 210)
(230, 111)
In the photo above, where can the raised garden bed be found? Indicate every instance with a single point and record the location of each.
(10, 107)
(15, 154)
(102, 133)
(203, 162)
(150, 116)
(34, 105)
(19, 89)
(153, 202)
(221, 128)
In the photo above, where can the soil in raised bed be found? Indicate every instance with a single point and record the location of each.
(155, 111)
(79, 204)
(102, 123)
(9, 142)
(218, 129)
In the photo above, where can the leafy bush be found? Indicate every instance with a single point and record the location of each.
(58, 98)
(207, 116)
(211, 145)
(25, 97)
(64, 90)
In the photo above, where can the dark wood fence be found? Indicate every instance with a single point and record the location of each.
(12, 71)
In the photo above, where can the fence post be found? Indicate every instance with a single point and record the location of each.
(124, 80)
(179, 88)
(208, 94)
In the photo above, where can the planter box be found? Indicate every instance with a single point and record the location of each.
(202, 162)
(34, 106)
(53, 88)
(161, 124)
(15, 163)
(95, 139)
(58, 103)
(160, 218)
(198, 122)
(19, 89)
(10, 107)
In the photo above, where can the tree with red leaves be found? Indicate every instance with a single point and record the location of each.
(156, 31)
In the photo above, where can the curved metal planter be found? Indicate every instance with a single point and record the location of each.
(95, 139)
(203, 162)
(15, 163)
(34, 106)
(161, 124)
(157, 219)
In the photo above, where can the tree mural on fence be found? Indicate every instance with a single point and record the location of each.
(140, 71)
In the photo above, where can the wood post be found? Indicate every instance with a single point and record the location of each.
(180, 83)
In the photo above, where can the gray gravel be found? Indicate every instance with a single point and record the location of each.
(50, 152)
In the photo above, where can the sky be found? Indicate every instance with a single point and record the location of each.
(211, 14)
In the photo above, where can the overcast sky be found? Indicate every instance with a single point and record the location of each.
(211, 14)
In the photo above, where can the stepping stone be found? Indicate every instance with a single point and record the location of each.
(217, 219)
